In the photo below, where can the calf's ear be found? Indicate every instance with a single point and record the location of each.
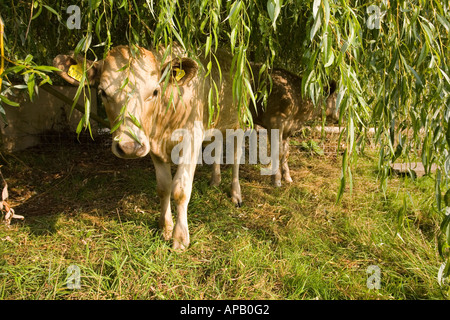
(72, 69)
(182, 71)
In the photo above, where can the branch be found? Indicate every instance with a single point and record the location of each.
(69, 101)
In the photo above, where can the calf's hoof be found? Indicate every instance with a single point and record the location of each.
(277, 183)
(167, 234)
(214, 182)
(288, 179)
(237, 200)
(238, 204)
(180, 239)
(179, 246)
(166, 228)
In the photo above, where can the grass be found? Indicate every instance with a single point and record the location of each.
(84, 207)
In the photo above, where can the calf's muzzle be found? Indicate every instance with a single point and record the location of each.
(129, 149)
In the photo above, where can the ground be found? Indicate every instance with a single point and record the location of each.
(87, 208)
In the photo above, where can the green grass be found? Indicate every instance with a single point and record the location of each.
(85, 207)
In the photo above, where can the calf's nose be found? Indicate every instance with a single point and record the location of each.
(129, 149)
(124, 149)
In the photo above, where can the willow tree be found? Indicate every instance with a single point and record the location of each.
(389, 58)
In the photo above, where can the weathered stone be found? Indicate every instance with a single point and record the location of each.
(416, 167)
(46, 113)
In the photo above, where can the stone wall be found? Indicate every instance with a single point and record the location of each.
(28, 122)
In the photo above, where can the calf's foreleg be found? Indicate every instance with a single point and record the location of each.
(164, 188)
(181, 192)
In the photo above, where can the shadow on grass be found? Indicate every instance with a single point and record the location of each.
(51, 180)
(71, 178)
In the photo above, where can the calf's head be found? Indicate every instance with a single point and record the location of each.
(130, 87)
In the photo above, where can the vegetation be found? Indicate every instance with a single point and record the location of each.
(87, 208)
(390, 60)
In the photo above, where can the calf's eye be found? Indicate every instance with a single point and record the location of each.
(153, 95)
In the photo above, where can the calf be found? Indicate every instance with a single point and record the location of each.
(287, 111)
(145, 117)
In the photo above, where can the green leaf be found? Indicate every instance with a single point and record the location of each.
(327, 12)
(250, 91)
(52, 11)
(423, 54)
(39, 11)
(342, 52)
(447, 136)
(116, 126)
(135, 120)
(80, 126)
(19, 86)
(330, 60)
(46, 68)
(428, 33)
(447, 198)
(207, 45)
(316, 26)
(273, 9)
(208, 69)
(15, 69)
(8, 102)
(87, 109)
(233, 39)
(232, 16)
(124, 2)
(124, 83)
(416, 75)
(315, 8)
(438, 190)
(95, 4)
(78, 93)
(351, 132)
(180, 40)
(344, 170)
(98, 26)
(444, 22)
(30, 85)
(28, 58)
(445, 75)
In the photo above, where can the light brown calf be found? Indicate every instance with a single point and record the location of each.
(146, 118)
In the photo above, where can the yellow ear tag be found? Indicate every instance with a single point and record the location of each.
(180, 74)
(76, 72)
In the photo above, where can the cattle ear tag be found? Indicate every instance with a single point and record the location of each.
(180, 74)
(76, 72)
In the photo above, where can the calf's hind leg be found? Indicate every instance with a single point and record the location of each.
(276, 178)
(284, 161)
(216, 176)
(235, 185)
